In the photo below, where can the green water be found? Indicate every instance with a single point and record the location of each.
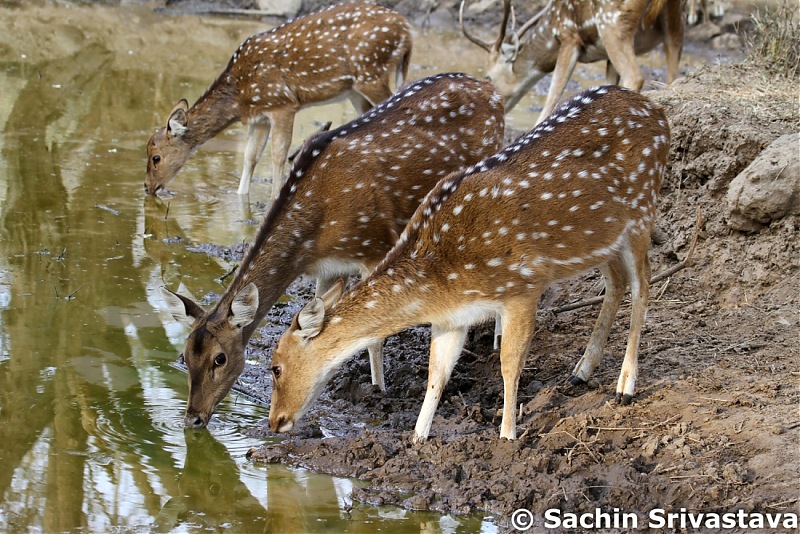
(90, 407)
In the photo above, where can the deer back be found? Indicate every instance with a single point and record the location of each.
(316, 57)
(561, 199)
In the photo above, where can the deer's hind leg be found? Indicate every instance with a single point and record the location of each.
(375, 91)
(616, 278)
(637, 265)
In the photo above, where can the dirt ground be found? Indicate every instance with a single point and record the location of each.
(714, 425)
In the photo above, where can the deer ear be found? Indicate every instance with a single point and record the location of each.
(508, 52)
(310, 318)
(244, 306)
(183, 309)
(333, 294)
(178, 119)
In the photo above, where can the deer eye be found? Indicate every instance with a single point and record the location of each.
(276, 371)
(156, 159)
(220, 359)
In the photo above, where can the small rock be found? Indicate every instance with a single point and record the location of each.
(280, 8)
(769, 188)
(703, 32)
(650, 447)
(734, 473)
(726, 41)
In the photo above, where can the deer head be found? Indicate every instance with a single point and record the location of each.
(289, 359)
(510, 78)
(168, 149)
(214, 351)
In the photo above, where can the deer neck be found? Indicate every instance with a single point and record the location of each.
(401, 298)
(278, 255)
(217, 109)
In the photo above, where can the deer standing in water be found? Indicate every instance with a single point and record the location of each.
(566, 32)
(578, 191)
(351, 49)
(348, 197)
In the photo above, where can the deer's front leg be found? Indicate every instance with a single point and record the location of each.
(519, 320)
(565, 64)
(376, 364)
(446, 345)
(257, 134)
(282, 127)
(620, 52)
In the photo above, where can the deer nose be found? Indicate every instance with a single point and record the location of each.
(194, 421)
(151, 190)
(275, 423)
(281, 424)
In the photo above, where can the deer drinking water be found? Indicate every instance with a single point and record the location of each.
(566, 32)
(579, 191)
(349, 195)
(352, 49)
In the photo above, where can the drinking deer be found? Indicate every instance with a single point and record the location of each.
(351, 49)
(565, 32)
(348, 197)
(578, 191)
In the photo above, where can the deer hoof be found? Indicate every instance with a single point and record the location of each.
(576, 381)
(624, 399)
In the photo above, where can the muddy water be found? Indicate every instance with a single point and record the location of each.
(90, 405)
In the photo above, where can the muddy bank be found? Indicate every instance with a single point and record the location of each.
(714, 424)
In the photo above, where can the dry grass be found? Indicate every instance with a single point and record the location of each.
(774, 44)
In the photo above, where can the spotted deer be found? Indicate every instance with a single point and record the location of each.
(698, 11)
(566, 32)
(578, 191)
(348, 197)
(350, 49)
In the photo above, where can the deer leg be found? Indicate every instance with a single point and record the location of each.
(282, 127)
(446, 345)
(375, 350)
(614, 274)
(375, 92)
(672, 21)
(498, 331)
(565, 64)
(620, 52)
(257, 134)
(360, 103)
(518, 327)
(638, 267)
(612, 76)
(376, 364)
